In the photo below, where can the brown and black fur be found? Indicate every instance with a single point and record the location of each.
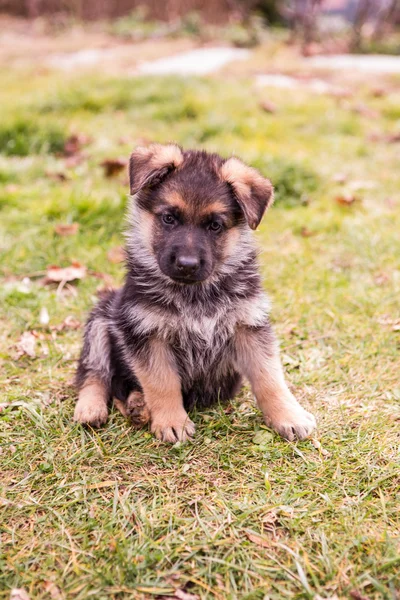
(191, 319)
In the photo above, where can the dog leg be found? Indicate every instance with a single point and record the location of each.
(91, 408)
(258, 358)
(161, 386)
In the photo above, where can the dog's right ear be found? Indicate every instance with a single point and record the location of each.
(149, 165)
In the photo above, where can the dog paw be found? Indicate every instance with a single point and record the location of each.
(91, 411)
(134, 409)
(174, 428)
(293, 423)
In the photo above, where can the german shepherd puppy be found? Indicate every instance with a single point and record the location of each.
(192, 318)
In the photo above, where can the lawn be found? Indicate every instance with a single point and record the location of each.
(238, 513)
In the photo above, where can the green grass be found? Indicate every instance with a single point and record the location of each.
(238, 513)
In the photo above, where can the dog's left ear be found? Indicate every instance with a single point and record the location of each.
(149, 165)
(253, 192)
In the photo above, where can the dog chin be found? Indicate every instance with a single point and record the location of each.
(188, 280)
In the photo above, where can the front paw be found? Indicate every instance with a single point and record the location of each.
(172, 427)
(91, 411)
(292, 422)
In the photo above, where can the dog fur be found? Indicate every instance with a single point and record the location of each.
(191, 319)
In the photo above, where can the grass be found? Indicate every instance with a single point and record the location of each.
(238, 513)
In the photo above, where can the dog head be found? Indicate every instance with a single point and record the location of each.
(193, 209)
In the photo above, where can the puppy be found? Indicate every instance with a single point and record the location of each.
(192, 319)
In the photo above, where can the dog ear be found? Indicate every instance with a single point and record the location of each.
(149, 165)
(253, 192)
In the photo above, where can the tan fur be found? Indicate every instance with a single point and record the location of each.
(175, 200)
(244, 180)
(214, 207)
(232, 240)
(163, 396)
(146, 230)
(91, 408)
(161, 154)
(278, 405)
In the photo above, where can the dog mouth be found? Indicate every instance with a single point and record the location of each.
(188, 280)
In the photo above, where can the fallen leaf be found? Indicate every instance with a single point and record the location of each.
(181, 595)
(378, 92)
(392, 138)
(74, 143)
(366, 111)
(71, 323)
(317, 445)
(116, 254)
(74, 160)
(65, 229)
(271, 518)
(3, 406)
(57, 176)
(19, 594)
(356, 595)
(258, 540)
(268, 106)
(53, 590)
(381, 278)
(305, 232)
(27, 343)
(346, 199)
(113, 166)
(389, 138)
(63, 274)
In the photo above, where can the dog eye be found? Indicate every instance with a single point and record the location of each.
(168, 219)
(215, 226)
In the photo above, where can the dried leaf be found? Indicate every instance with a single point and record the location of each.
(305, 232)
(116, 254)
(378, 92)
(27, 343)
(317, 445)
(57, 176)
(346, 199)
(71, 323)
(389, 138)
(356, 595)
(268, 106)
(74, 144)
(381, 278)
(113, 166)
(181, 595)
(258, 540)
(19, 594)
(74, 160)
(271, 518)
(366, 111)
(63, 274)
(65, 229)
(3, 406)
(53, 590)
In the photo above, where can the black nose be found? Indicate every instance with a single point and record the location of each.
(188, 265)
